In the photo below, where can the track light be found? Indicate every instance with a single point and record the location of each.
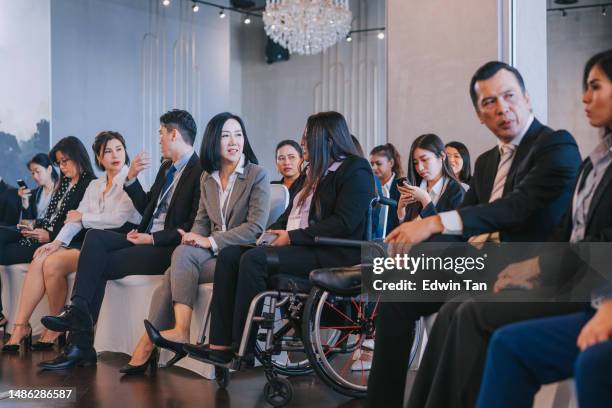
(222, 14)
(247, 20)
(166, 3)
(564, 13)
(381, 35)
(195, 7)
(604, 11)
(349, 38)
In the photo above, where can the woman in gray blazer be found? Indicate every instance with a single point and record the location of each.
(234, 206)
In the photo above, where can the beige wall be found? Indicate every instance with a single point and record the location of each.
(434, 47)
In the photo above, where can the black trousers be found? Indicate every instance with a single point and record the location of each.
(451, 369)
(108, 255)
(12, 252)
(242, 273)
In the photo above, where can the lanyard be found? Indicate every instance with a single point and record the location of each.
(175, 180)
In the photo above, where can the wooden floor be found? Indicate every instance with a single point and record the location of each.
(103, 386)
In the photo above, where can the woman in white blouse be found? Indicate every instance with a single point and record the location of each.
(105, 205)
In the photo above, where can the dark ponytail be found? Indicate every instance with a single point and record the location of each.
(391, 153)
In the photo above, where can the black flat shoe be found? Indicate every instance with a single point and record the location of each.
(3, 323)
(161, 342)
(45, 345)
(140, 369)
(72, 356)
(206, 354)
(26, 341)
(72, 318)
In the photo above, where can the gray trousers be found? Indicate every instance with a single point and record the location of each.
(190, 267)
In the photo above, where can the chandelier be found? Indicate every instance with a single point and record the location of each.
(307, 27)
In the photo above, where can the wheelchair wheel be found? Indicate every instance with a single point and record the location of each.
(289, 358)
(278, 392)
(334, 329)
(222, 377)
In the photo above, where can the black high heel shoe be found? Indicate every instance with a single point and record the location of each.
(44, 345)
(26, 340)
(129, 369)
(3, 323)
(161, 342)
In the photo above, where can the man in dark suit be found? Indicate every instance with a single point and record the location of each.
(10, 204)
(171, 204)
(520, 191)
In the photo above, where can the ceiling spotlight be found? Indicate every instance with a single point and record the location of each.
(222, 14)
(247, 20)
(604, 11)
(166, 3)
(195, 7)
(381, 35)
(564, 13)
(349, 38)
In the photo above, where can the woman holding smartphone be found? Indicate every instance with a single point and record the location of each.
(105, 205)
(431, 185)
(233, 210)
(333, 202)
(34, 203)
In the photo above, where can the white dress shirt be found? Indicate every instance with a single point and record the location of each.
(451, 220)
(102, 210)
(224, 196)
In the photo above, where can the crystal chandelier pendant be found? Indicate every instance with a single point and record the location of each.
(307, 27)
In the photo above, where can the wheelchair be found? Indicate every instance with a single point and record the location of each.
(311, 325)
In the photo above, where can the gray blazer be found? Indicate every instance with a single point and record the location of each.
(247, 209)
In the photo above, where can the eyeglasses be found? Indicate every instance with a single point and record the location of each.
(63, 162)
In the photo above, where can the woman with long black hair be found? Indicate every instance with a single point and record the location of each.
(34, 203)
(333, 202)
(431, 184)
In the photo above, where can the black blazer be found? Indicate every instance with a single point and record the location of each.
(183, 205)
(394, 194)
(10, 204)
(31, 213)
(450, 199)
(537, 192)
(345, 196)
(598, 228)
(599, 217)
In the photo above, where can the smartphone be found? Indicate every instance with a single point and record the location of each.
(22, 183)
(266, 239)
(24, 227)
(403, 181)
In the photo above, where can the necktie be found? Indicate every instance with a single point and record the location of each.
(162, 196)
(505, 161)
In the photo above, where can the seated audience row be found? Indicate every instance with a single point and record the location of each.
(208, 208)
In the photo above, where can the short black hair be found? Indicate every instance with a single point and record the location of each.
(292, 143)
(210, 151)
(487, 71)
(182, 121)
(102, 140)
(73, 148)
(42, 160)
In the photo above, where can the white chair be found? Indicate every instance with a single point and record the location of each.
(279, 200)
(12, 277)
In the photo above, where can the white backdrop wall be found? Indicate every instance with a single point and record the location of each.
(572, 40)
(120, 64)
(349, 78)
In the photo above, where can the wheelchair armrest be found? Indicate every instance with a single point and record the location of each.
(375, 247)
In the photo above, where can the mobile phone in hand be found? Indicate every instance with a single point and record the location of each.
(266, 239)
(22, 183)
(403, 181)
